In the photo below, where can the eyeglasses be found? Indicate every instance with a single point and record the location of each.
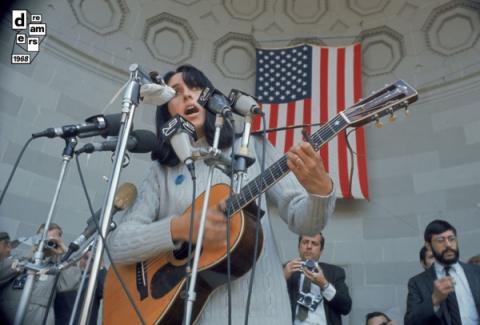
(442, 240)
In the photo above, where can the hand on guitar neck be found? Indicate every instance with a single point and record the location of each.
(215, 227)
(307, 166)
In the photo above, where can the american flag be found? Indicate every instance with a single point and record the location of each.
(309, 84)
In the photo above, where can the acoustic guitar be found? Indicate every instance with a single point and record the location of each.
(156, 285)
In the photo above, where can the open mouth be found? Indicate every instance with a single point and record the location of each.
(191, 110)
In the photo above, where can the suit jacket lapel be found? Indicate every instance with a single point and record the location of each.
(432, 276)
(473, 282)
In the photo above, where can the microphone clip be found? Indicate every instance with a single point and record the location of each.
(178, 123)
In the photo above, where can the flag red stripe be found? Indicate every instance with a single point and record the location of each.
(324, 99)
(336, 81)
(307, 114)
(360, 134)
(272, 123)
(257, 120)
(290, 121)
(342, 145)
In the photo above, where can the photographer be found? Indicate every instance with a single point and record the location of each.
(13, 282)
(318, 293)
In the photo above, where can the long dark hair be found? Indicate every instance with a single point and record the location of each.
(193, 78)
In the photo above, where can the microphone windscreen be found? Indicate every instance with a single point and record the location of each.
(126, 194)
(146, 141)
(155, 94)
(113, 125)
(180, 143)
(244, 104)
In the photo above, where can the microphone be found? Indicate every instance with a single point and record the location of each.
(156, 94)
(126, 194)
(180, 132)
(243, 103)
(154, 90)
(216, 102)
(139, 141)
(104, 125)
(181, 144)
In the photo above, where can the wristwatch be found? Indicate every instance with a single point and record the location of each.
(325, 286)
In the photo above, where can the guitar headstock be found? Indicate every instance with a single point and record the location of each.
(391, 98)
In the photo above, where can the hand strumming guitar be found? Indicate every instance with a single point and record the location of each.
(215, 227)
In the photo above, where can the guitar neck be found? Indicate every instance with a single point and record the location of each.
(279, 169)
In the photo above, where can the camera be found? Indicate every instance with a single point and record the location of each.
(309, 300)
(51, 244)
(310, 265)
(19, 282)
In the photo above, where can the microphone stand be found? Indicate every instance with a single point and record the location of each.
(191, 295)
(242, 159)
(70, 143)
(130, 101)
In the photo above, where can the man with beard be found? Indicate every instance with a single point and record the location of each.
(322, 283)
(448, 293)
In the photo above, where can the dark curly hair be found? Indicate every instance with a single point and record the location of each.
(193, 78)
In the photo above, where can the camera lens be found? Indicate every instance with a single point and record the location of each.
(307, 300)
(51, 244)
(309, 265)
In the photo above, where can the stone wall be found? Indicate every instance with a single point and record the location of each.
(424, 166)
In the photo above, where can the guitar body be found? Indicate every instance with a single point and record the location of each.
(156, 284)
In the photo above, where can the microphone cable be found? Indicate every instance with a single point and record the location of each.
(284, 128)
(352, 156)
(115, 270)
(14, 169)
(258, 224)
(50, 298)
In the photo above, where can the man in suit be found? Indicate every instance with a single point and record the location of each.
(448, 293)
(322, 283)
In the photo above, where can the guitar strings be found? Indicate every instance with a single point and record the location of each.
(278, 169)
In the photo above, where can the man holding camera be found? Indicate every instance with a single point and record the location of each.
(12, 283)
(318, 293)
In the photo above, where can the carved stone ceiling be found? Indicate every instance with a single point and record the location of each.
(397, 36)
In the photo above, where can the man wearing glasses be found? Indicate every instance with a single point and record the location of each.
(448, 293)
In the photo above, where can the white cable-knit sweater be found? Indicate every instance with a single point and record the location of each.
(144, 232)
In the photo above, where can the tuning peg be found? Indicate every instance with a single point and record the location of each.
(378, 124)
(392, 118)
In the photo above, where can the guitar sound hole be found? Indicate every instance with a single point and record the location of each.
(182, 252)
(165, 279)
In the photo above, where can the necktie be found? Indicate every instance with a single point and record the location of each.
(302, 312)
(452, 304)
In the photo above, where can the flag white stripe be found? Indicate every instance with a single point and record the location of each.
(315, 113)
(332, 111)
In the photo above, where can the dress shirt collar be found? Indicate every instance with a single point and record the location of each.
(440, 268)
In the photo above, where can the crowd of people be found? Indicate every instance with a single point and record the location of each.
(446, 292)
(53, 295)
(315, 292)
